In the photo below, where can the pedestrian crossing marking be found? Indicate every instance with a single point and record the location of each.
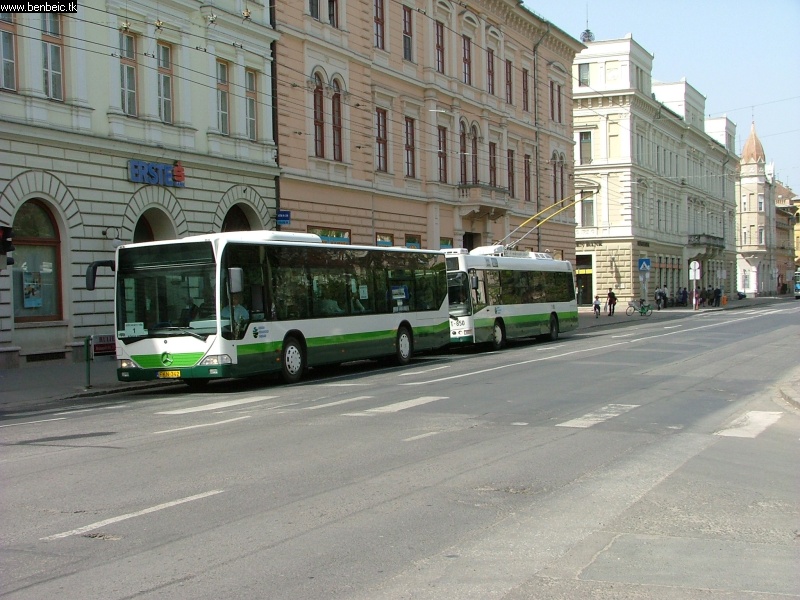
(750, 424)
(609, 411)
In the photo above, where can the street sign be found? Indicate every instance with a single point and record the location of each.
(694, 270)
(103, 345)
(644, 264)
(284, 217)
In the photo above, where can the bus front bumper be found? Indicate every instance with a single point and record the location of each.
(205, 372)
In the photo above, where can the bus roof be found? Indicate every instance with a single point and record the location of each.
(271, 236)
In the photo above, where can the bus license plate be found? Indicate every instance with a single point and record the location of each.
(169, 374)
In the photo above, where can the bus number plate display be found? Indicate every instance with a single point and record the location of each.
(169, 374)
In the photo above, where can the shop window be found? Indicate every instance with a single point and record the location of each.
(36, 273)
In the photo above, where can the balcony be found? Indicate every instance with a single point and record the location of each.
(479, 200)
(704, 239)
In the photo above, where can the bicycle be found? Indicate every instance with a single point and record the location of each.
(644, 310)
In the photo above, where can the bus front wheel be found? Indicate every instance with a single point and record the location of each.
(293, 360)
(405, 345)
(498, 335)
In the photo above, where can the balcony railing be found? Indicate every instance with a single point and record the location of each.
(704, 239)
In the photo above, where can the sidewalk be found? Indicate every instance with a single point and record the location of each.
(51, 384)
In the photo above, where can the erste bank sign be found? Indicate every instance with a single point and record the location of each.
(153, 173)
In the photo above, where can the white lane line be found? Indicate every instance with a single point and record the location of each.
(604, 414)
(398, 406)
(32, 422)
(215, 405)
(344, 384)
(146, 511)
(645, 338)
(750, 424)
(421, 436)
(672, 326)
(338, 402)
(203, 425)
(421, 372)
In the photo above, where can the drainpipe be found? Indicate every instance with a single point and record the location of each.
(275, 121)
(536, 128)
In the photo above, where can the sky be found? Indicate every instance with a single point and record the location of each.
(744, 57)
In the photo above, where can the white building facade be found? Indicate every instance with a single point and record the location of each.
(124, 122)
(656, 181)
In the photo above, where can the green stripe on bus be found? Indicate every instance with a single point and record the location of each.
(153, 361)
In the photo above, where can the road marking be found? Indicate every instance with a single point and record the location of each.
(146, 511)
(32, 422)
(215, 405)
(421, 372)
(646, 338)
(750, 424)
(609, 411)
(672, 326)
(338, 402)
(421, 436)
(203, 425)
(398, 406)
(344, 384)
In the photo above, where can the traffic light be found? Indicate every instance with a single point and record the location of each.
(6, 245)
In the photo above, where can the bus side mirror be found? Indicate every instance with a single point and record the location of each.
(236, 280)
(473, 282)
(91, 272)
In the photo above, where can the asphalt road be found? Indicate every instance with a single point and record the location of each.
(655, 460)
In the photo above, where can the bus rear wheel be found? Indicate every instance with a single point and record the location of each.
(498, 335)
(553, 332)
(404, 346)
(293, 361)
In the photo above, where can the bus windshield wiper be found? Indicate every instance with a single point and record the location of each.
(186, 330)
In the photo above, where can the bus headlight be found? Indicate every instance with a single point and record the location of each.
(216, 359)
(127, 363)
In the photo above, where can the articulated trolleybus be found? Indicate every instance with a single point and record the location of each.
(247, 303)
(498, 294)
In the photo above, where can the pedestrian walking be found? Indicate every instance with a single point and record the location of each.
(611, 301)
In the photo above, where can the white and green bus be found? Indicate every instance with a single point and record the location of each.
(296, 303)
(498, 294)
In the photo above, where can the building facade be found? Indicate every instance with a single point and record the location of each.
(765, 212)
(655, 180)
(124, 122)
(424, 123)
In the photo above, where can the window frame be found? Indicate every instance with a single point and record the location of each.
(223, 97)
(318, 107)
(336, 121)
(442, 153)
(8, 30)
(466, 58)
(526, 100)
(493, 164)
(379, 21)
(408, 34)
(512, 180)
(585, 147)
(333, 13)
(440, 47)
(410, 147)
(251, 103)
(381, 140)
(509, 81)
(52, 40)
(490, 71)
(526, 177)
(165, 101)
(583, 75)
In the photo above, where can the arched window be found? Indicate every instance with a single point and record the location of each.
(462, 151)
(336, 120)
(319, 118)
(475, 137)
(37, 259)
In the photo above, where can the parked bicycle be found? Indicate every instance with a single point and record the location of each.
(644, 309)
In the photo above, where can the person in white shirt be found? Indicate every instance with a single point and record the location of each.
(240, 313)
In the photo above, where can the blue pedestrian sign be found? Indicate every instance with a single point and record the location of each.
(644, 264)
(284, 217)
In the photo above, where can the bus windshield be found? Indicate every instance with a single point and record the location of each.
(162, 298)
(458, 293)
